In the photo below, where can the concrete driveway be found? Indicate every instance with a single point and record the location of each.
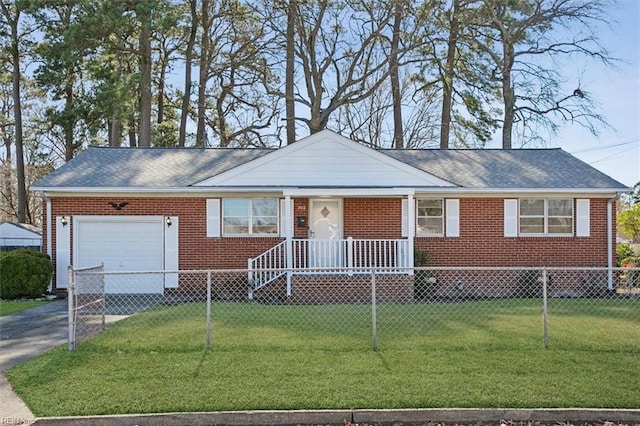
(25, 335)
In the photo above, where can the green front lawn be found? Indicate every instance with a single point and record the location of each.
(471, 354)
(8, 307)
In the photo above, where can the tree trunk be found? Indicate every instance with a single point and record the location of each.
(161, 83)
(21, 190)
(144, 16)
(290, 105)
(204, 68)
(398, 133)
(115, 133)
(188, 58)
(68, 123)
(449, 74)
(132, 132)
(508, 95)
(8, 175)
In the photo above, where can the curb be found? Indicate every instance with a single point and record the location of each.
(565, 416)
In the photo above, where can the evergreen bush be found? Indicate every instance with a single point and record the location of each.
(24, 273)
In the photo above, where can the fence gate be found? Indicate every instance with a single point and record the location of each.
(87, 305)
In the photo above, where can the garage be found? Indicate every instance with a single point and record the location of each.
(122, 243)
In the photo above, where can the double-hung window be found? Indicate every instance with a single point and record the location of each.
(552, 216)
(430, 217)
(249, 216)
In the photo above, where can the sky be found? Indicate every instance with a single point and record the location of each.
(615, 152)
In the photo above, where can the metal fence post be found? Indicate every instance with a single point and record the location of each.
(374, 319)
(545, 318)
(208, 309)
(70, 308)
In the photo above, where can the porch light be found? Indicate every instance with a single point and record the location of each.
(63, 221)
(168, 221)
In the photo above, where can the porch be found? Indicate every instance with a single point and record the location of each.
(328, 257)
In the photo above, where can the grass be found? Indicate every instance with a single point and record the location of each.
(471, 354)
(8, 307)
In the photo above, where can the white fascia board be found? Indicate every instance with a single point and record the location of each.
(347, 192)
(335, 191)
(150, 192)
(518, 192)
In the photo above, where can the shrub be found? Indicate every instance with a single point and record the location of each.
(529, 284)
(424, 281)
(625, 255)
(24, 273)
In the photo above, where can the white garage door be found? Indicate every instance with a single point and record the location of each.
(122, 243)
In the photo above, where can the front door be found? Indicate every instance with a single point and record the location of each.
(325, 233)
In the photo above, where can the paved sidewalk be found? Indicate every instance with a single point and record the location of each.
(25, 335)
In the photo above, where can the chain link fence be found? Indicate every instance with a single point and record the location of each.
(387, 308)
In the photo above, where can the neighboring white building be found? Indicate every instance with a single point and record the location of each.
(19, 235)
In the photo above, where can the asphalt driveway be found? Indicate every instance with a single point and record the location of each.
(24, 335)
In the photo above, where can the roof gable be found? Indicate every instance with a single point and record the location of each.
(18, 230)
(325, 159)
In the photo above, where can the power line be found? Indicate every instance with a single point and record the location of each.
(613, 145)
(608, 157)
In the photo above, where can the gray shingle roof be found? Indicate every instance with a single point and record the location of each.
(178, 168)
(504, 169)
(102, 167)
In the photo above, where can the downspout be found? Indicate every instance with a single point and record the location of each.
(610, 241)
(411, 228)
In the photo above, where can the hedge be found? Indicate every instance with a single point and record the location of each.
(24, 273)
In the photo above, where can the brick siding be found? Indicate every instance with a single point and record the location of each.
(481, 241)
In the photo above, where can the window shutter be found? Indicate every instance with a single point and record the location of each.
(452, 210)
(63, 252)
(510, 218)
(171, 253)
(213, 217)
(405, 217)
(285, 228)
(583, 227)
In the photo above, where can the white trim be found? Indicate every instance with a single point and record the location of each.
(442, 217)
(250, 218)
(546, 217)
(411, 228)
(49, 233)
(452, 217)
(319, 138)
(189, 191)
(583, 226)
(171, 255)
(286, 217)
(405, 217)
(63, 251)
(347, 192)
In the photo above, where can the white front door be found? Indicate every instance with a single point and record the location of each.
(325, 233)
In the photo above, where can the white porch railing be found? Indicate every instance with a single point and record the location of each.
(329, 257)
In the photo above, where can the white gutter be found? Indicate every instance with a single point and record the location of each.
(340, 192)
(49, 233)
(328, 189)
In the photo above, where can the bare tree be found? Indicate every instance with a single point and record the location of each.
(343, 49)
(517, 33)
